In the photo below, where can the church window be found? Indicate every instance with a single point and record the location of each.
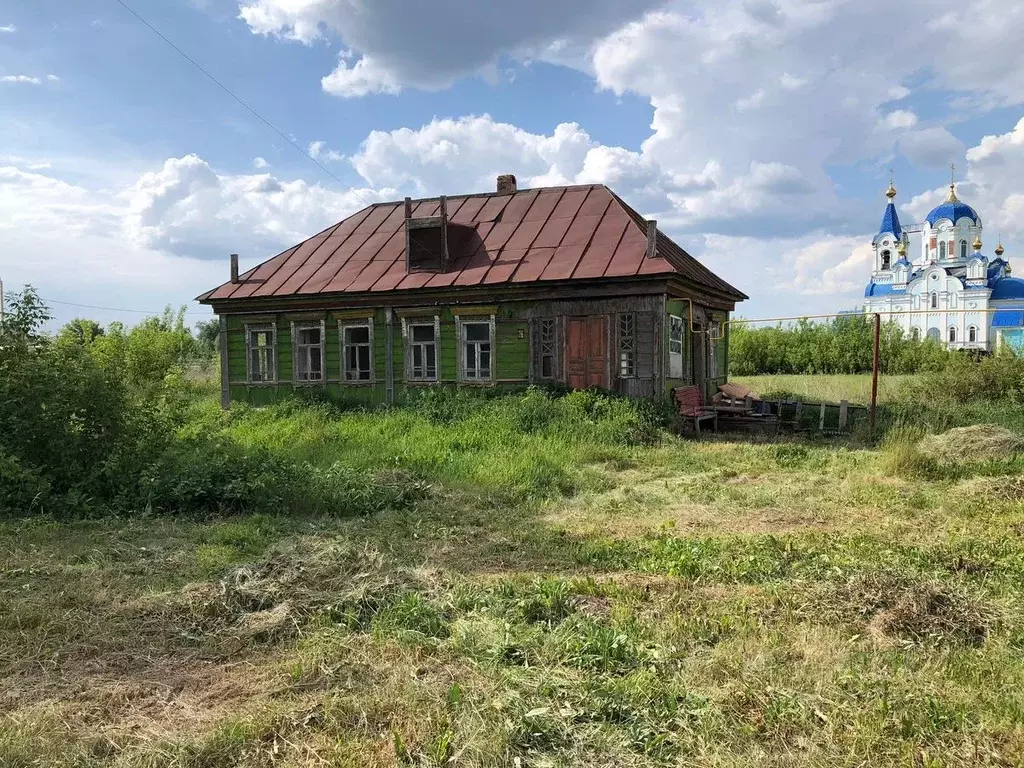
(952, 334)
(886, 258)
(935, 301)
(963, 249)
(934, 334)
(942, 249)
(915, 334)
(972, 334)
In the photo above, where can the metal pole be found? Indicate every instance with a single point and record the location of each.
(874, 373)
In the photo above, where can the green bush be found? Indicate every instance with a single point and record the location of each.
(22, 490)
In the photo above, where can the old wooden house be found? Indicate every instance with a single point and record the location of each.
(501, 289)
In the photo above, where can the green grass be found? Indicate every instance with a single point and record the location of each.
(853, 387)
(566, 591)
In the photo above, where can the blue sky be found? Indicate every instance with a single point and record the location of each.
(759, 133)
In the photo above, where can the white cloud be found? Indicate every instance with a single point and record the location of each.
(25, 79)
(753, 101)
(186, 208)
(318, 150)
(792, 83)
(259, 163)
(53, 78)
(361, 78)
(831, 265)
(898, 92)
(8, 28)
(930, 147)
(901, 118)
(395, 44)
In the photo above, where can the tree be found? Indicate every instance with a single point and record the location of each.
(207, 337)
(80, 331)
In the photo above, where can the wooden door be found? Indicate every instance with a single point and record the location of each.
(586, 359)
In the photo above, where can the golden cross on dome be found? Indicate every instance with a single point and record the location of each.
(952, 198)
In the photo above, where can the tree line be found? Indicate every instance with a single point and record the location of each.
(842, 345)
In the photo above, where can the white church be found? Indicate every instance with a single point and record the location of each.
(935, 275)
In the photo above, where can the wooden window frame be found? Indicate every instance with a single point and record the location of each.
(305, 325)
(460, 333)
(343, 345)
(680, 355)
(547, 347)
(408, 323)
(251, 328)
(627, 341)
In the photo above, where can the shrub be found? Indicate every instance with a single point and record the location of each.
(22, 490)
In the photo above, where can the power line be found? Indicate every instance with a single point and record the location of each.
(232, 94)
(117, 309)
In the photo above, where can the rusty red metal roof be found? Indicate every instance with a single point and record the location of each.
(534, 235)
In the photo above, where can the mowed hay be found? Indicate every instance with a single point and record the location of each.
(980, 442)
(899, 607)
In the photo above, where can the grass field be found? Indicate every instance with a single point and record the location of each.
(854, 387)
(568, 589)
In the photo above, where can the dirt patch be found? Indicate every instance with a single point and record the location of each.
(894, 606)
(980, 442)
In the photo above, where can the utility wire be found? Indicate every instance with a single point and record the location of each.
(117, 309)
(232, 94)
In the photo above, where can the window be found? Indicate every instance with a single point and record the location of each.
(627, 346)
(547, 348)
(934, 334)
(935, 301)
(476, 350)
(942, 249)
(308, 339)
(261, 341)
(886, 259)
(952, 334)
(714, 339)
(963, 249)
(357, 352)
(915, 334)
(421, 351)
(972, 334)
(675, 347)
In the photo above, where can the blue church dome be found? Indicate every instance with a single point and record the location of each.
(882, 289)
(1007, 288)
(953, 209)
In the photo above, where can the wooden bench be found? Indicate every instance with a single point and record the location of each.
(690, 404)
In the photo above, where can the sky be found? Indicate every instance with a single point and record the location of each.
(759, 133)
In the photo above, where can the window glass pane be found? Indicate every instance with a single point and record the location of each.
(364, 362)
(547, 367)
(485, 360)
(315, 362)
(470, 359)
(422, 333)
(417, 358)
(357, 335)
(309, 336)
(430, 360)
(477, 331)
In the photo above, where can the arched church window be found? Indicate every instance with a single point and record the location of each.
(933, 334)
(915, 334)
(935, 301)
(886, 259)
(942, 249)
(963, 249)
(972, 334)
(952, 334)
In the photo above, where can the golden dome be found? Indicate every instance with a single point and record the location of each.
(901, 249)
(976, 245)
(951, 197)
(999, 249)
(891, 191)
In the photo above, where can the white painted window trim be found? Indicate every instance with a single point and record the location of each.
(251, 328)
(343, 349)
(407, 323)
(461, 321)
(303, 325)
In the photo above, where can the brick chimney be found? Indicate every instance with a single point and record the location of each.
(234, 267)
(507, 184)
